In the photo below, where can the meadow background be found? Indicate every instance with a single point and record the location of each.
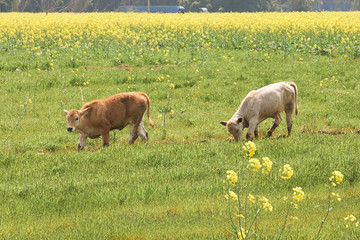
(196, 69)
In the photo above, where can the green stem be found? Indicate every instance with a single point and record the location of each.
(284, 225)
(231, 220)
(327, 214)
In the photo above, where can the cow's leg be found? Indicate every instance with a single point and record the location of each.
(289, 121)
(252, 127)
(277, 122)
(106, 138)
(256, 132)
(82, 142)
(133, 132)
(142, 132)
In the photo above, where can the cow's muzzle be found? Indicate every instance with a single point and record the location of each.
(70, 129)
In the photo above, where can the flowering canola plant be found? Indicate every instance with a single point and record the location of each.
(287, 172)
(138, 35)
(249, 201)
(336, 178)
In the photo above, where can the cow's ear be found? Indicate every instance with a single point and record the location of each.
(84, 111)
(66, 111)
(239, 120)
(223, 123)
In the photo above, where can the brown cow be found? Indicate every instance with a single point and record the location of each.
(99, 117)
(261, 104)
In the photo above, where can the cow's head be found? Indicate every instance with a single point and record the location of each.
(73, 118)
(235, 128)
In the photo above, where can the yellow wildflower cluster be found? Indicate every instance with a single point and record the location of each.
(251, 198)
(352, 219)
(232, 177)
(267, 165)
(298, 194)
(336, 178)
(241, 233)
(337, 196)
(172, 113)
(287, 172)
(256, 165)
(265, 204)
(251, 148)
(263, 200)
(233, 196)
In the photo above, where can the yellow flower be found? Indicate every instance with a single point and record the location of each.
(265, 204)
(242, 234)
(251, 198)
(172, 113)
(350, 217)
(241, 216)
(172, 86)
(336, 178)
(233, 196)
(232, 176)
(337, 196)
(298, 194)
(30, 102)
(255, 164)
(267, 163)
(251, 147)
(287, 172)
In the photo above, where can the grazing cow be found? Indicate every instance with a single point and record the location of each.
(99, 117)
(266, 102)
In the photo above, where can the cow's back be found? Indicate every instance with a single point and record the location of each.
(276, 93)
(268, 101)
(117, 111)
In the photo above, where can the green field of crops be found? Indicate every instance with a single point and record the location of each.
(196, 69)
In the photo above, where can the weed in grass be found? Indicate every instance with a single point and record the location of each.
(167, 108)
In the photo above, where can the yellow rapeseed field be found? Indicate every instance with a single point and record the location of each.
(309, 31)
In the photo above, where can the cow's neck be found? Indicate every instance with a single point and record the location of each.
(236, 116)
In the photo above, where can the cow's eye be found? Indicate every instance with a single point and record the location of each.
(77, 119)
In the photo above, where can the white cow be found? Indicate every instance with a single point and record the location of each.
(258, 105)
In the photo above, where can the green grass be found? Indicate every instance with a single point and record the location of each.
(172, 187)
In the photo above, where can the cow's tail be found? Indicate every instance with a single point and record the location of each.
(148, 109)
(296, 92)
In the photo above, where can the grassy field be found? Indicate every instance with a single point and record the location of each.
(173, 186)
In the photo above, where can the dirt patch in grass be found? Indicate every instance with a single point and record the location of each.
(338, 132)
(124, 67)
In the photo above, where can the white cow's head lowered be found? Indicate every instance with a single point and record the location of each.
(235, 128)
